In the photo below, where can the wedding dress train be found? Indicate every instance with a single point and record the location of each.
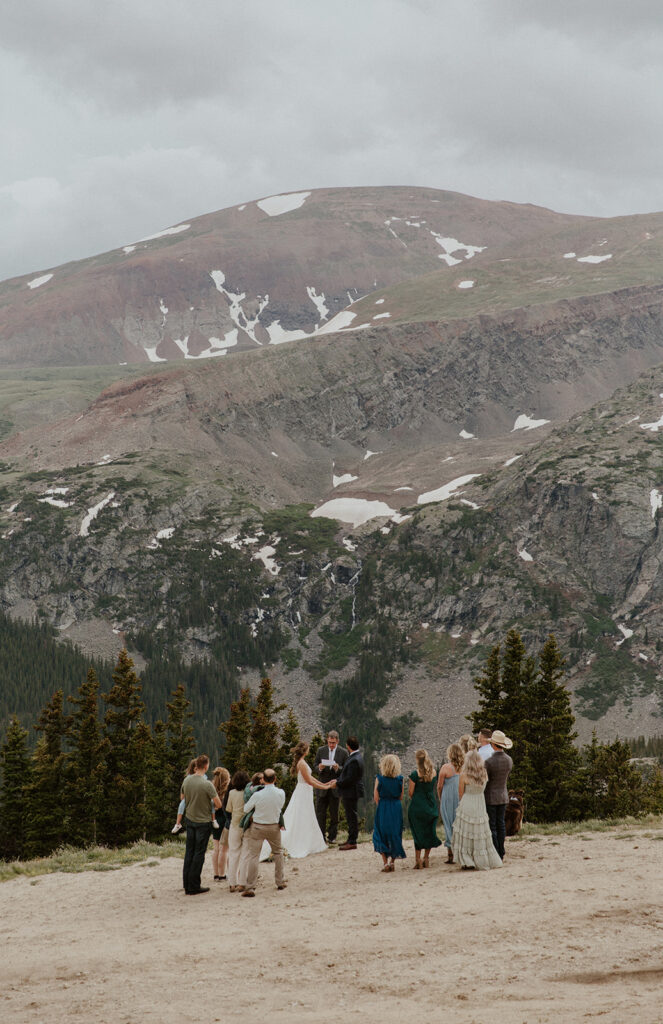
(302, 834)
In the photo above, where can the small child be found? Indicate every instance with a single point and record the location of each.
(177, 827)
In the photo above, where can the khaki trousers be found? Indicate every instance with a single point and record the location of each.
(251, 847)
(235, 838)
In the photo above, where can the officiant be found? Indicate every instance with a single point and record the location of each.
(329, 760)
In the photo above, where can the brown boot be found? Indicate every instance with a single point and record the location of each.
(450, 856)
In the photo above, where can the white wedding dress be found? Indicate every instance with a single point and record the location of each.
(302, 833)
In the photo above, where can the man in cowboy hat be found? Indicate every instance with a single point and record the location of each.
(498, 766)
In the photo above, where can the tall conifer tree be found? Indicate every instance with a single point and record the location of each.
(47, 804)
(14, 781)
(87, 764)
(123, 795)
(237, 731)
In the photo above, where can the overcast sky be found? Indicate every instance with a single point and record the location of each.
(123, 117)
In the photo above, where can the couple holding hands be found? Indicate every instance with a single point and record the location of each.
(341, 777)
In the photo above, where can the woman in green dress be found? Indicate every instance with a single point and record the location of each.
(423, 810)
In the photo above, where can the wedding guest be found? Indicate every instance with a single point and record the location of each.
(498, 767)
(220, 781)
(198, 791)
(467, 742)
(447, 792)
(388, 826)
(235, 808)
(256, 782)
(423, 809)
(266, 804)
(472, 842)
(484, 747)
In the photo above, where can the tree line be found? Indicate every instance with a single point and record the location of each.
(100, 773)
(525, 696)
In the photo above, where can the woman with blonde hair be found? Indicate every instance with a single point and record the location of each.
(423, 810)
(472, 842)
(221, 781)
(447, 793)
(467, 742)
(388, 825)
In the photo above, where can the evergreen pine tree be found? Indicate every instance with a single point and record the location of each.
(14, 781)
(159, 804)
(611, 786)
(318, 740)
(263, 749)
(518, 673)
(547, 762)
(237, 731)
(46, 796)
(180, 745)
(87, 765)
(123, 793)
(489, 688)
(290, 737)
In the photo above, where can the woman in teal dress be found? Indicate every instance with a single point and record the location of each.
(423, 811)
(447, 792)
(388, 825)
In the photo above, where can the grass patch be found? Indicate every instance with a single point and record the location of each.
(95, 858)
(625, 826)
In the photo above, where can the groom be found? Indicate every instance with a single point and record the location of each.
(350, 784)
(329, 761)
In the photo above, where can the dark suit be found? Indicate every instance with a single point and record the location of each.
(498, 766)
(326, 800)
(350, 785)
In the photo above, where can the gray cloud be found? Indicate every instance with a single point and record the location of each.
(127, 117)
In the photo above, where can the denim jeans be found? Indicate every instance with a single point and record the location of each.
(496, 814)
(197, 839)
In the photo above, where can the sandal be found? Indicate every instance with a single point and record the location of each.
(417, 866)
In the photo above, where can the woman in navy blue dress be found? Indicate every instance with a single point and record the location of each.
(388, 826)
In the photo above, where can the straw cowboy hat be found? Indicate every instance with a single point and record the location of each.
(498, 739)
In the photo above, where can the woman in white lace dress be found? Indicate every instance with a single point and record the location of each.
(302, 833)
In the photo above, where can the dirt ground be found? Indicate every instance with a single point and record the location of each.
(570, 929)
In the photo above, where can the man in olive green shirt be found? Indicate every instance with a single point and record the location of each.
(199, 795)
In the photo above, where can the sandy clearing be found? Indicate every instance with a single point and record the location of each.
(569, 930)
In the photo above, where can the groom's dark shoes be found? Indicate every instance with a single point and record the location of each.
(348, 846)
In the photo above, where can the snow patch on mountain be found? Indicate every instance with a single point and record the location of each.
(524, 422)
(266, 556)
(594, 259)
(37, 282)
(278, 334)
(151, 354)
(381, 316)
(318, 301)
(353, 510)
(655, 501)
(525, 555)
(465, 434)
(452, 245)
(514, 458)
(274, 206)
(444, 492)
(345, 478)
(466, 284)
(166, 231)
(92, 514)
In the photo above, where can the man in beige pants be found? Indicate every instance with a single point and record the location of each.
(266, 805)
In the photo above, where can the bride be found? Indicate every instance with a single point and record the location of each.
(302, 833)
